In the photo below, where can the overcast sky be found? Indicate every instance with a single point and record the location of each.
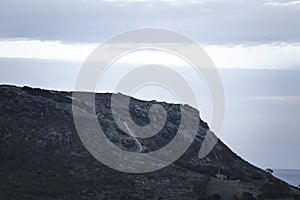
(255, 45)
(207, 21)
(258, 34)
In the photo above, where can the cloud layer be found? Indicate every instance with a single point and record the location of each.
(238, 56)
(208, 22)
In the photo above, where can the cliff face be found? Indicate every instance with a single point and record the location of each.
(42, 157)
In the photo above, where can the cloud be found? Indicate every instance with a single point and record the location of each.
(44, 50)
(283, 3)
(263, 56)
(276, 56)
(210, 22)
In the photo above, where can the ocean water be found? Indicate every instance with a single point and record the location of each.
(291, 176)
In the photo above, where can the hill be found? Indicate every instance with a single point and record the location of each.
(42, 156)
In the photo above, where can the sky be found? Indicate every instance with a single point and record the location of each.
(254, 44)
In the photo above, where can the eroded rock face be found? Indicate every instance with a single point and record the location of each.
(42, 157)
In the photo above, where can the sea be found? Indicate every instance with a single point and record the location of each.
(291, 176)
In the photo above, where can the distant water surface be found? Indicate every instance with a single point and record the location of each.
(291, 176)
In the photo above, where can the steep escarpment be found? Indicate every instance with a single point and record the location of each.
(42, 156)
